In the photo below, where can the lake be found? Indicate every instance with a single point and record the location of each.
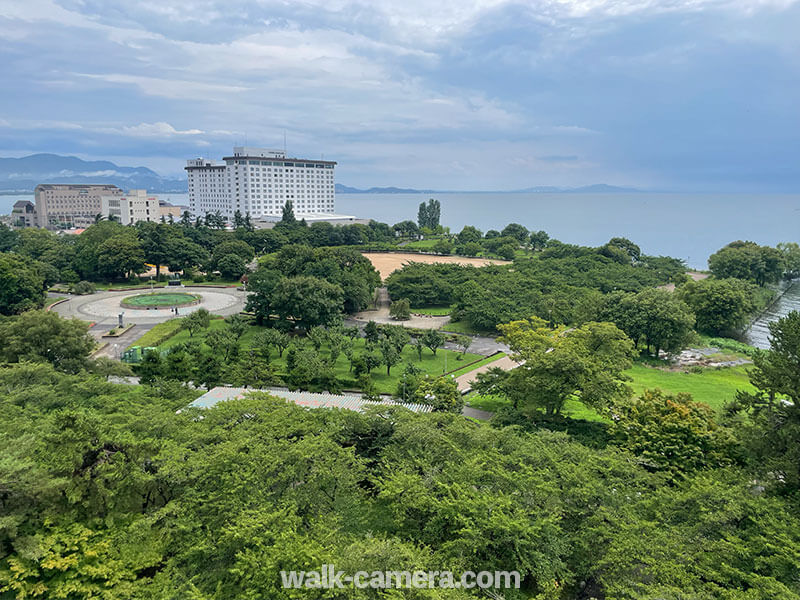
(687, 226)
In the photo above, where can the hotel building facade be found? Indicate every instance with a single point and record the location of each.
(259, 181)
(63, 205)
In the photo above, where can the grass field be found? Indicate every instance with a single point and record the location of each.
(160, 299)
(386, 384)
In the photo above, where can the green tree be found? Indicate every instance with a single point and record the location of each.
(433, 339)
(429, 214)
(391, 355)
(538, 240)
(371, 332)
(287, 218)
(469, 234)
(443, 246)
(516, 231)
(439, 392)
(155, 242)
(747, 260)
(8, 238)
(400, 310)
(790, 254)
(238, 247)
(196, 321)
(40, 336)
(237, 324)
(586, 362)
(719, 305)
(307, 301)
(232, 266)
(120, 255)
(224, 344)
(21, 285)
(261, 285)
(463, 342)
(772, 432)
(183, 254)
(670, 433)
(659, 319)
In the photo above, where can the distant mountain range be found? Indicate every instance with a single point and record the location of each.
(597, 188)
(22, 175)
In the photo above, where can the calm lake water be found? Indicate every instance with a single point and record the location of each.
(688, 226)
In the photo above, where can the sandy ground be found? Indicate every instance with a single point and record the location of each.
(386, 262)
(695, 275)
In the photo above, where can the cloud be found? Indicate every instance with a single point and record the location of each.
(643, 92)
(159, 129)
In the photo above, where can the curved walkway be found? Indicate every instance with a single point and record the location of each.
(104, 307)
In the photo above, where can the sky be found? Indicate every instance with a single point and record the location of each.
(673, 95)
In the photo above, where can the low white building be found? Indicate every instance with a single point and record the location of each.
(258, 182)
(135, 206)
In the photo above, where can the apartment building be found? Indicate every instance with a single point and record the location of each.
(259, 181)
(62, 205)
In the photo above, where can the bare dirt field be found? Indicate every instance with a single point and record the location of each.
(386, 262)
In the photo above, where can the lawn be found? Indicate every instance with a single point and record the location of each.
(467, 369)
(714, 387)
(421, 244)
(386, 384)
(160, 299)
(435, 311)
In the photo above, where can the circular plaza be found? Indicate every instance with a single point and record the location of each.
(146, 308)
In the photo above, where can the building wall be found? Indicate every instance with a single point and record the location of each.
(23, 214)
(131, 208)
(259, 181)
(72, 205)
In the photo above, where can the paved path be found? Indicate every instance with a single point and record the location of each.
(381, 315)
(103, 308)
(465, 381)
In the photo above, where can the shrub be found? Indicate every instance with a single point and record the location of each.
(82, 288)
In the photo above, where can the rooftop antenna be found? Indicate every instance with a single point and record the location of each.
(284, 142)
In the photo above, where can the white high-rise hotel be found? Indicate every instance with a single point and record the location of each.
(259, 182)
